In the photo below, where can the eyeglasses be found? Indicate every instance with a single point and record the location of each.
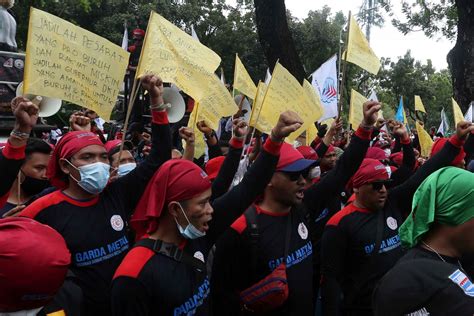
(377, 185)
(295, 176)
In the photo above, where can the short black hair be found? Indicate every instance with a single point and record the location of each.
(36, 145)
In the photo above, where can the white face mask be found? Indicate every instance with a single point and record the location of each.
(125, 168)
(190, 232)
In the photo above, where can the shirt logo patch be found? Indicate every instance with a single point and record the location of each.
(392, 223)
(116, 222)
(463, 282)
(302, 231)
(199, 255)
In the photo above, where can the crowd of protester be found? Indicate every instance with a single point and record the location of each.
(101, 222)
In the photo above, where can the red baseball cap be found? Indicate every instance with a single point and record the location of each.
(291, 160)
(34, 260)
(213, 166)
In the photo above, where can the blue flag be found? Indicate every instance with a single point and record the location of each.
(400, 115)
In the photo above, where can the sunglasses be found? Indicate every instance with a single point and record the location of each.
(377, 185)
(295, 176)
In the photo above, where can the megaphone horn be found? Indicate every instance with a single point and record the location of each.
(47, 106)
(172, 96)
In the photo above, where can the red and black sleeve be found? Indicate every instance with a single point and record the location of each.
(11, 159)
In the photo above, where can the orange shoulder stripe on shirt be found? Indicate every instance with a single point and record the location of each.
(134, 262)
(240, 224)
(336, 218)
(42, 203)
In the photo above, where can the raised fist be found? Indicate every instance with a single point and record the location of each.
(288, 123)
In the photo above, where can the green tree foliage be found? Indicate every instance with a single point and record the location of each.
(408, 77)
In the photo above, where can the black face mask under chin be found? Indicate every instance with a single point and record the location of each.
(33, 186)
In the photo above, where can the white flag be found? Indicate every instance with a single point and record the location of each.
(325, 83)
(268, 77)
(443, 126)
(193, 33)
(222, 76)
(125, 38)
(468, 115)
(373, 96)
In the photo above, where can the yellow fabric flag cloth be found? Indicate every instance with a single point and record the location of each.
(199, 142)
(242, 80)
(419, 104)
(425, 140)
(359, 51)
(458, 116)
(67, 62)
(356, 110)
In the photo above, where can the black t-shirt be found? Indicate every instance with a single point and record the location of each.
(233, 271)
(422, 284)
(154, 284)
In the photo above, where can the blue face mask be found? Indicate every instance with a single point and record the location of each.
(94, 177)
(125, 168)
(190, 232)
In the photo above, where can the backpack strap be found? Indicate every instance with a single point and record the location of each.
(251, 218)
(173, 252)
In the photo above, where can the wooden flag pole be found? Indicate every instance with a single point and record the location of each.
(344, 69)
(133, 96)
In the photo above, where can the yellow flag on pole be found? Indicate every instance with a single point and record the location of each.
(458, 116)
(242, 80)
(285, 93)
(176, 57)
(425, 140)
(311, 133)
(199, 142)
(359, 51)
(419, 104)
(257, 108)
(67, 62)
(356, 109)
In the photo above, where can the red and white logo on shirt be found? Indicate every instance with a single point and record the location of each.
(116, 222)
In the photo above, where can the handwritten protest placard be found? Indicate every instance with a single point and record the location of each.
(67, 62)
(178, 58)
(255, 121)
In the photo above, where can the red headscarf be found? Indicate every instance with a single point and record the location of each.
(33, 264)
(376, 153)
(369, 171)
(308, 152)
(213, 166)
(397, 158)
(176, 180)
(439, 144)
(67, 146)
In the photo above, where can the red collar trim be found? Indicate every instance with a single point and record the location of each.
(83, 203)
(262, 211)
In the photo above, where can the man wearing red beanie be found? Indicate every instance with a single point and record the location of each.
(361, 242)
(34, 261)
(90, 216)
(275, 233)
(165, 273)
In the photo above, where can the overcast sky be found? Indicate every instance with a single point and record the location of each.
(386, 41)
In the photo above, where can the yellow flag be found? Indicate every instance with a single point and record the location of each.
(285, 93)
(425, 140)
(178, 58)
(458, 117)
(314, 109)
(67, 62)
(356, 110)
(169, 52)
(419, 105)
(199, 142)
(311, 133)
(257, 103)
(242, 80)
(358, 49)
